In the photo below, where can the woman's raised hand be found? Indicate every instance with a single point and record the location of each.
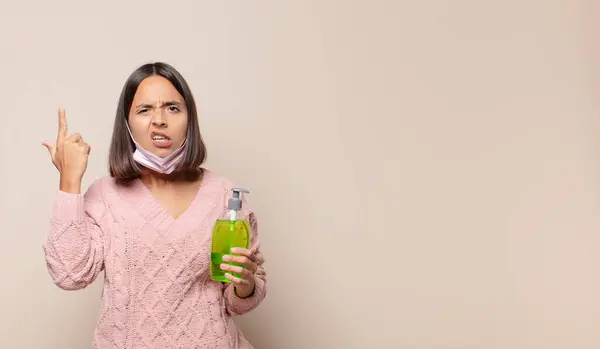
(69, 155)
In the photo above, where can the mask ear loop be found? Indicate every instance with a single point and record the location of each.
(129, 130)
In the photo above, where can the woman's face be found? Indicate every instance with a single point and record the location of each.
(158, 116)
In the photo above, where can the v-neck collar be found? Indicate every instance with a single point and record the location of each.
(198, 210)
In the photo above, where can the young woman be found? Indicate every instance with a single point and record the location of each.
(148, 225)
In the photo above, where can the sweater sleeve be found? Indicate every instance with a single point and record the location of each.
(74, 247)
(239, 306)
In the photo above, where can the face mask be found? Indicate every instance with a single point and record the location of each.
(164, 165)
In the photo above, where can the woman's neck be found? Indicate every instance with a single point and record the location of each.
(158, 180)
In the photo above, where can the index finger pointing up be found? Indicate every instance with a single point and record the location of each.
(62, 126)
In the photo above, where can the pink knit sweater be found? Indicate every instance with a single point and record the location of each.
(157, 287)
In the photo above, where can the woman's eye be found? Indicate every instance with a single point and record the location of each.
(173, 108)
(141, 111)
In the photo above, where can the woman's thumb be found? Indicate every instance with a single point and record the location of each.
(49, 146)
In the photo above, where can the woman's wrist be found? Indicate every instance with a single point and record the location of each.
(70, 185)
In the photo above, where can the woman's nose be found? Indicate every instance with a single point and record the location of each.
(158, 119)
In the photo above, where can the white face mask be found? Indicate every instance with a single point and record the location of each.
(147, 159)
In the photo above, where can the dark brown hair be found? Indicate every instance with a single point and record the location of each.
(120, 159)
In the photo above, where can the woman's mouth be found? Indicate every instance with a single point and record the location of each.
(161, 140)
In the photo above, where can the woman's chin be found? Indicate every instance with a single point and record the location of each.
(162, 153)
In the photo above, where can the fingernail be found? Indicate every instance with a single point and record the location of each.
(226, 258)
(234, 250)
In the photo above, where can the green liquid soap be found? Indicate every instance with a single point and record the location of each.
(227, 234)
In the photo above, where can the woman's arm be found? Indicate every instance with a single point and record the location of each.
(74, 248)
(235, 305)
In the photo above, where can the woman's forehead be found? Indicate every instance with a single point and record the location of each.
(157, 90)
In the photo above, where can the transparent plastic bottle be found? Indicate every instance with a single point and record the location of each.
(231, 229)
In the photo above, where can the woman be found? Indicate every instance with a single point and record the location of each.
(148, 226)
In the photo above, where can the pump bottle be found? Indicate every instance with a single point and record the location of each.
(231, 229)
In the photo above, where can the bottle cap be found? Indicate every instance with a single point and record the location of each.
(235, 203)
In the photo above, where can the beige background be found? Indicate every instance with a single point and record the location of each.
(425, 172)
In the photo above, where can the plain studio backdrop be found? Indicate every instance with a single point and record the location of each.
(425, 173)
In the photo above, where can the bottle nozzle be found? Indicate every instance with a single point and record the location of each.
(237, 191)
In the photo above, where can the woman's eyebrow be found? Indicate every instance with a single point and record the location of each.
(173, 102)
(166, 103)
(144, 105)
